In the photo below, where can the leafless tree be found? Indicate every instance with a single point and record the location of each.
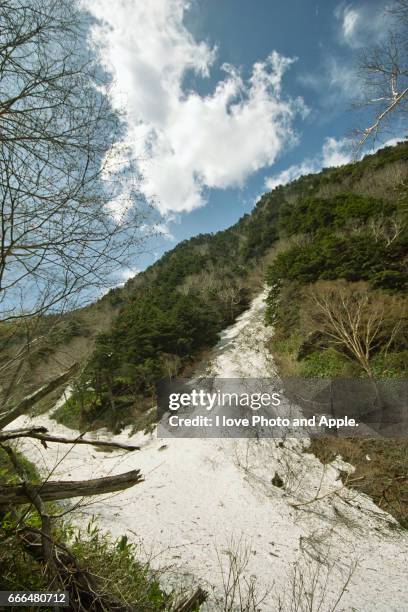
(70, 213)
(387, 228)
(66, 220)
(355, 320)
(384, 75)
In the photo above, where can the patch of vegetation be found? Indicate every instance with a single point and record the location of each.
(115, 563)
(312, 215)
(381, 469)
(8, 475)
(327, 363)
(391, 365)
(353, 257)
(69, 413)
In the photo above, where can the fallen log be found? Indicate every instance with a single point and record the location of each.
(53, 491)
(40, 433)
(85, 589)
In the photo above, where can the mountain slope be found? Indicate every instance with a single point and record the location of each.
(169, 315)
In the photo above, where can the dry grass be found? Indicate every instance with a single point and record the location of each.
(240, 592)
(381, 469)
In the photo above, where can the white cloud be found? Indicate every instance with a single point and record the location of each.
(188, 142)
(336, 82)
(127, 274)
(290, 174)
(359, 25)
(334, 153)
(164, 231)
(351, 18)
(342, 78)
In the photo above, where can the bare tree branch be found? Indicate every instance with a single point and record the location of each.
(354, 320)
(383, 70)
(40, 433)
(70, 213)
(28, 402)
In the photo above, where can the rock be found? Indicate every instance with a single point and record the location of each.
(277, 481)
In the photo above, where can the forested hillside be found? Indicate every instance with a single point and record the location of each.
(330, 237)
(338, 288)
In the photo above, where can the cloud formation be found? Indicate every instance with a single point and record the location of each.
(336, 83)
(186, 142)
(351, 19)
(334, 153)
(359, 24)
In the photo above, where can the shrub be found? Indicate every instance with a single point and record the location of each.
(326, 364)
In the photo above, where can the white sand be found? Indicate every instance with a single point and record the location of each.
(198, 494)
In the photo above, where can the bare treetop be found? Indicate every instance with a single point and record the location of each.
(65, 224)
(384, 76)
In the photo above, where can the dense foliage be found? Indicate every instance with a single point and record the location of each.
(333, 243)
(314, 215)
(179, 309)
(352, 257)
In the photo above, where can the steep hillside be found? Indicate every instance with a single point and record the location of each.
(338, 286)
(346, 223)
(164, 319)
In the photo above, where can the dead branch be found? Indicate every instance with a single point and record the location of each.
(394, 102)
(55, 490)
(29, 401)
(40, 433)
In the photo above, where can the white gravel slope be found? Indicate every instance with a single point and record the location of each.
(200, 494)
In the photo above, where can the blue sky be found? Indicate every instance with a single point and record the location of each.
(226, 98)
